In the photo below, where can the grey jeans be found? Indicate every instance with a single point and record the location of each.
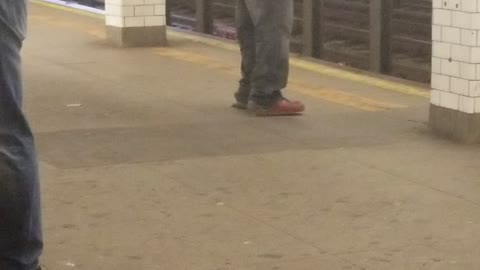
(20, 228)
(264, 28)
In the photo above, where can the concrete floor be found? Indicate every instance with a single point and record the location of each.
(145, 165)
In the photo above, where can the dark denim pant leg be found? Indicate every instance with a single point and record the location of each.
(246, 38)
(20, 228)
(273, 22)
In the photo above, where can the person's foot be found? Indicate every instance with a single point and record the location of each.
(281, 107)
(241, 101)
(240, 105)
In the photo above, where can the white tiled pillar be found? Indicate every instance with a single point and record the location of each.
(455, 96)
(132, 23)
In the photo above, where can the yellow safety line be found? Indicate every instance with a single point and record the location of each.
(330, 95)
(344, 98)
(364, 79)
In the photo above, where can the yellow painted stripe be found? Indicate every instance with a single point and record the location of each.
(196, 58)
(344, 98)
(363, 79)
(330, 95)
(212, 41)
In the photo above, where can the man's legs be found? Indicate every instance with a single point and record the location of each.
(273, 21)
(20, 228)
(246, 37)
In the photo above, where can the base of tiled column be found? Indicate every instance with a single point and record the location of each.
(148, 36)
(456, 125)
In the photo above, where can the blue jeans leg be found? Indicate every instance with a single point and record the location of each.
(264, 28)
(20, 225)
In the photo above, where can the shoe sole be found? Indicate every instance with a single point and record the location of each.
(239, 106)
(270, 114)
(260, 113)
(266, 113)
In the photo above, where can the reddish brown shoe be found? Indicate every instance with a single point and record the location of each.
(282, 107)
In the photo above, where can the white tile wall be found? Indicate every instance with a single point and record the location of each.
(157, 2)
(469, 5)
(450, 68)
(475, 59)
(116, 21)
(467, 104)
(460, 86)
(442, 49)
(134, 21)
(474, 89)
(160, 10)
(462, 19)
(451, 34)
(435, 97)
(449, 100)
(475, 21)
(135, 13)
(468, 71)
(437, 65)
(477, 105)
(461, 53)
(442, 17)
(130, 2)
(145, 10)
(437, 32)
(469, 37)
(452, 4)
(441, 82)
(154, 20)
(117, 10)
(456, 55)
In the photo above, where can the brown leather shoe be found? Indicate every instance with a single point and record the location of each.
(281, 107)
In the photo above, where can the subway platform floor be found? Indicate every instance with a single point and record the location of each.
(145, 166)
